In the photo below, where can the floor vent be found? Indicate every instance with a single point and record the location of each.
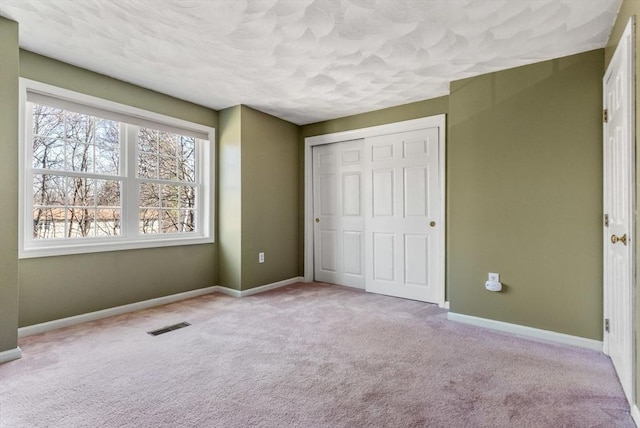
(168, 328)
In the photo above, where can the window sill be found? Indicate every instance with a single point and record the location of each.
(99, 246)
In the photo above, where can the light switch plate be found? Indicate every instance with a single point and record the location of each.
(494, 277)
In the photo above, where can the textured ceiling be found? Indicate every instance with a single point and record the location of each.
(307, 60)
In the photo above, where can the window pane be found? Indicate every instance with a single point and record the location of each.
(170, 221)
(81, 192)
(107, 133)
(79, 157)
(166, 156)
(187, 159)
(167, 144)
(80, 222)
(48, 121)
(49, 189)
(107, 161)
(187, 196)
(48, 153)
(79, 127)
(48, 223)
(149, 195)
(187, 170)
(147, 165)
(108, 222)
(187, 221)
(170, 196)
(148, 220)
(147, 140)
(167, 168)
(108, 193)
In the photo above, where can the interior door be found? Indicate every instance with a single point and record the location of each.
(619, 200)
(338, 217)
(403, 215)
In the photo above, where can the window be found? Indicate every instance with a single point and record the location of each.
(100, 176)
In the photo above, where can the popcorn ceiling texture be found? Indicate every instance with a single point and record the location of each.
(307, 60)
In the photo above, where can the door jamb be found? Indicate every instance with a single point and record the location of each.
(438, 121)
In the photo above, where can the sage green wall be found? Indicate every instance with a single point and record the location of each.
(230, 198)
(270, 198)
(399, 113)
(628, 9)
(258, 198)
(524, 176)
(9, 69)
(63, 286)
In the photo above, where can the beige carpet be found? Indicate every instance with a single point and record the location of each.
(308, 355)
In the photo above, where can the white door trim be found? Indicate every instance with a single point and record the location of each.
(408, 125)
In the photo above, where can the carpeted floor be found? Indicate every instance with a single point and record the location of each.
(307, 355)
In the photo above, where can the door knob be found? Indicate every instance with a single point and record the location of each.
(317, 220)
(432, 223)
(615, 239)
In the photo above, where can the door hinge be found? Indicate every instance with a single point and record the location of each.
(606, 220)
(605, 115)
(606, 325)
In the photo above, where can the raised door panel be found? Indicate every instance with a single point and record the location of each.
(383, 193)
(416, 196)
(328, 189)
(351, 199)
(384, 257)
(353, 253)
(416, 260)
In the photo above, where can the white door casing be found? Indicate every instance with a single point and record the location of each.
(338, 217)
(402, 222)
(619, 203)
(435, 242)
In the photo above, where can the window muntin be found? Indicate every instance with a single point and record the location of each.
(95, 182)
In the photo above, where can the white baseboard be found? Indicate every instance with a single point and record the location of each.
(261, 289)
(635, 414)
(227, 291)
(119, 310)
(525, 331)
(10, 355)
(105, 313)
(271, 286)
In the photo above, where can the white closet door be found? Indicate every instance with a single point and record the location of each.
(402, 196)
(338, 214)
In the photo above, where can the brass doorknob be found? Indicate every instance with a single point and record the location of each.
(615, 239)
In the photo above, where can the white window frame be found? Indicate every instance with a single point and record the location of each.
(130, 239)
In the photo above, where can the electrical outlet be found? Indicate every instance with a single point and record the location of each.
(494, 277)
(260, 257)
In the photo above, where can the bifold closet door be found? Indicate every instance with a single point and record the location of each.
(402, 197)
(338, 213)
